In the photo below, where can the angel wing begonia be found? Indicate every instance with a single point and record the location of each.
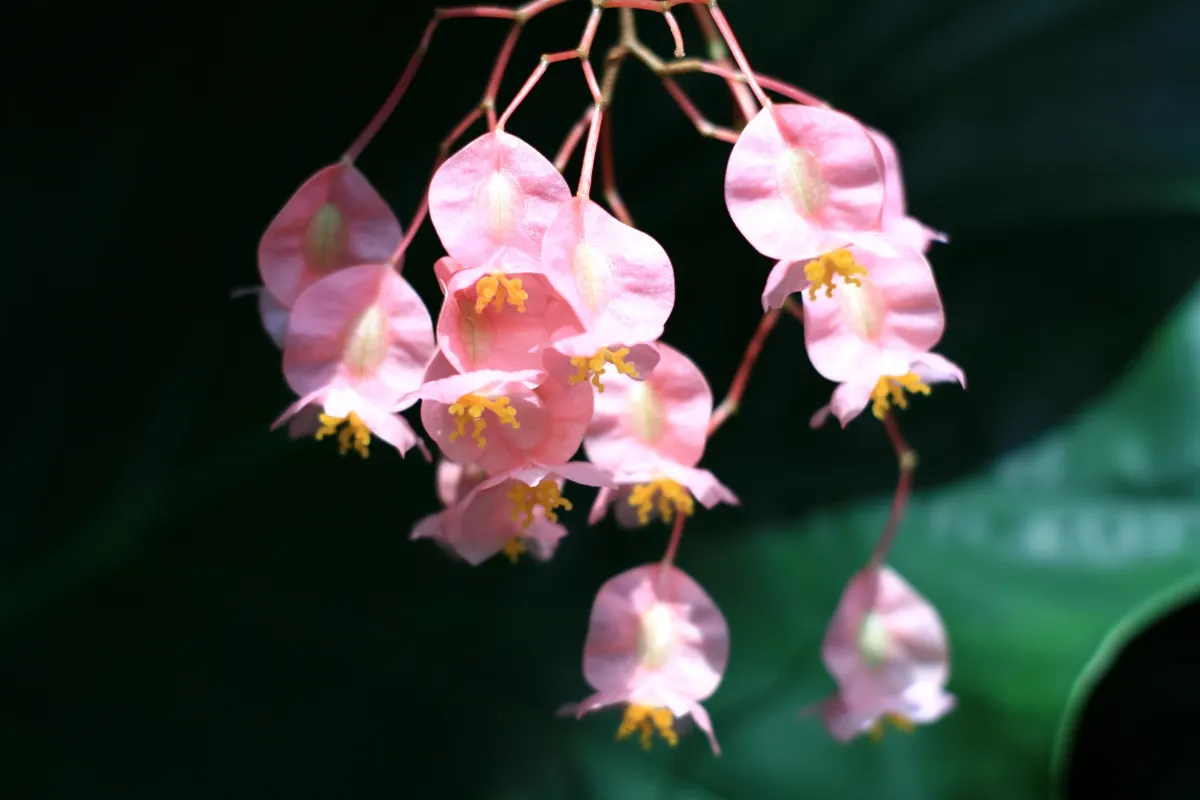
(511, 513)
(516, 418)
(620, 283)
(358, 341)
(658, 644)
(335, 220)
(651, 435)
(804, 180)
(886, 648)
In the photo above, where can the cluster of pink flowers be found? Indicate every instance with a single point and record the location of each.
(548, 341)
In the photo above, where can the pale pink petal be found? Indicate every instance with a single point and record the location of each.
(849, 400)
(305, 423)
(312, 398)
(429, 527)
(585, 474)
(335, 220)
(391, 428)
(703, 485)
(604, 498)
(787, 277)
(455, 481)
(487, 382)
(932, 368)
(820, 416)
(618, 279)
(505, 338)
(799, 177)
(363, 327)
(483, 521)
(637, 424)
(274, 316)
(493, 201)
(445, 268)
(704, 723)
(542, 538)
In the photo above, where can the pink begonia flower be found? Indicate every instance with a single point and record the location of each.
(651, 434)
(886, 648)
(883, 384)
(902, 229)
(358, 340)
(335, 220)
(492, 201)
(496, 320)
(503, 420)
(513, 512)
(620, 283)
(804, 180)
(658, 643)
(444, 269)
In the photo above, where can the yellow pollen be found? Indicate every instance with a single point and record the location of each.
(898, 721)
(497, 290)
(890, 390)
(593, 367)
(527, 498)
(672, 497)
(821, 272)
(353, 435)
(513, 548)
(646, 720)
(473, 406)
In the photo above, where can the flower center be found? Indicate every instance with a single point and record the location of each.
(801, 181)
(898, 721)
(890, 390)
(497, 289)
(656, 635)
(354, 433)
(821, 271)
(325, 238)
(472, 406)
(592, 367)
(526, 499)
(873, 640)
(646, 720)
(672, 497)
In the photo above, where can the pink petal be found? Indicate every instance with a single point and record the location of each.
(932, 368)
(786, 277)
(363, 327)
(335, 220)
(604, 499)
(391, 428)
(542, 538)
(493, 200)
(703, 485)
(800, 177)
(704, 723)
(849, 400)
(454, 481)
(665, 417)
(618, 279)
(445, 268)
(507, 338)
(585, 474)
(274, 316)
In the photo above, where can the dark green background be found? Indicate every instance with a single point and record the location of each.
(190, 606)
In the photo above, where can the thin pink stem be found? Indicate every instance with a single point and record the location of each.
(735, 49)
(418, 218)
(774, 84)
(741, 378)
(609, 174)
(907, 460)
(498, 69)
(703, 126)
(676, 34)
(717, 51)
(572, 140)
(668, 559)
(589, 152)
(532, 81)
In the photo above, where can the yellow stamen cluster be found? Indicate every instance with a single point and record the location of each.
(898, 721)
(647, 720)
(821, 272)
(513, 549)
(472, 406)
(527, 498)
(672, 497)
(593, 367)
(890, 391)
(354, 434)
(498, 290)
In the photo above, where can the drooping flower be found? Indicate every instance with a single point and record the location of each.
(335, 220)
(886, 649)
(492, 201)
(501, 421)
(620, 283)
(454, 481)
(505, 321)
(658, 644)
(651, 435)
(884, 384)
(898, 226)
(803, 180)
(511, 513)
(358, 341)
